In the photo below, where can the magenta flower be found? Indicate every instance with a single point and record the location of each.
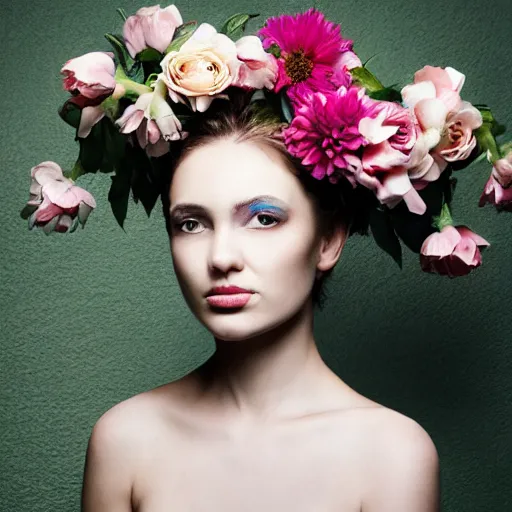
(453, 252)
(311, 50)
(324, 133)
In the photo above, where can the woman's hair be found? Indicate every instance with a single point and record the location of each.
(243, 120)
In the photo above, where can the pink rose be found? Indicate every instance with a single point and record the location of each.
(458, 140)
(502, 171)
(92, 75)
(454, 251)
(151, 27)
(153, 120)
(205, 65)
(432, 96)
(495, 194)
(55, 203)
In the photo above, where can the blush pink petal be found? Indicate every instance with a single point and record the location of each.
(413, 93)
(502, 171)
(91, 74)
(467, 233)
(441, 244)
(159, 28)
(89, 117)
(431, 113)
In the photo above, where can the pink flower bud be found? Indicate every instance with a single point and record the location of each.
(56, 203)
(92, 75)
(496, 195)
(502, 171)
(453, 252)
(151, 27)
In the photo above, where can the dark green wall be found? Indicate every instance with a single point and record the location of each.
(90, 319)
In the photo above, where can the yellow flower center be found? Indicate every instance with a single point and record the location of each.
(298, 67)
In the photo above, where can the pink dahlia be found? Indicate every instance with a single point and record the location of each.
(324, 133)
(309, 50)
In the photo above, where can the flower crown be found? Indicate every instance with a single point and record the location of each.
(341, 122)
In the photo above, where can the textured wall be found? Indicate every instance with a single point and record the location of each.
(90, 319)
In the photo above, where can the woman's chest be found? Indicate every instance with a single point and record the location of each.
(303, 474)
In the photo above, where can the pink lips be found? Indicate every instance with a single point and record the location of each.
(228, 297)
(234, 300)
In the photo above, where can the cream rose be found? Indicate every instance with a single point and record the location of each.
(205, 65)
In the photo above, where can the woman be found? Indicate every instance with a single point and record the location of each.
(264, 424)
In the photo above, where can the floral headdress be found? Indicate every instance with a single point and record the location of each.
(340, 122)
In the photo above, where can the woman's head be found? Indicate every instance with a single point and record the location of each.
(282, 244)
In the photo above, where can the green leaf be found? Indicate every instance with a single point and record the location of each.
(386, 94)
(133, 69)
(92, 149)
(119, 192)
(115, 146)
(234, 26)
(286, 107)
(122, 13)
(70, 113)
(182, 34)
(144, 185)
(363, 77)
(384, 234)
(149, 55)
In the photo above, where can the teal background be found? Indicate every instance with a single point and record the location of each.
(90, 319)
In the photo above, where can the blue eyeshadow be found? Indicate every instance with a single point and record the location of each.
(257, 207)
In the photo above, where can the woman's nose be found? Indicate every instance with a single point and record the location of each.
(225, 252)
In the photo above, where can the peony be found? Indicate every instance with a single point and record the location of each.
(91, 75)
(205, 65)
(495, 194)
(502, 171)
(153, 120)
(391, 133)
(324, 133)
(151, 27)
(56, 203)
(310, 51)
(454, 251)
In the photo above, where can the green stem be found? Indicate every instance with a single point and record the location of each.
(76, 172)
(444, 219)
(130, 86)
(487, 142)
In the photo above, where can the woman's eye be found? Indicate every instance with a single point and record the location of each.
(188, 226)
(265, 219)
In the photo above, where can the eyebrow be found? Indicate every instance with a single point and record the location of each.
(187, 208)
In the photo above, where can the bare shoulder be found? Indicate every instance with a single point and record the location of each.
(400, 463)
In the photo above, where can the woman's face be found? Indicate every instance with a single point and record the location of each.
(240, 218)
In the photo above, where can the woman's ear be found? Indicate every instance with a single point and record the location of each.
(331, 246)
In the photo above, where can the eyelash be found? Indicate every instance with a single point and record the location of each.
(179, 225)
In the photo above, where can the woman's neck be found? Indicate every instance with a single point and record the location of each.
(277, 375)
